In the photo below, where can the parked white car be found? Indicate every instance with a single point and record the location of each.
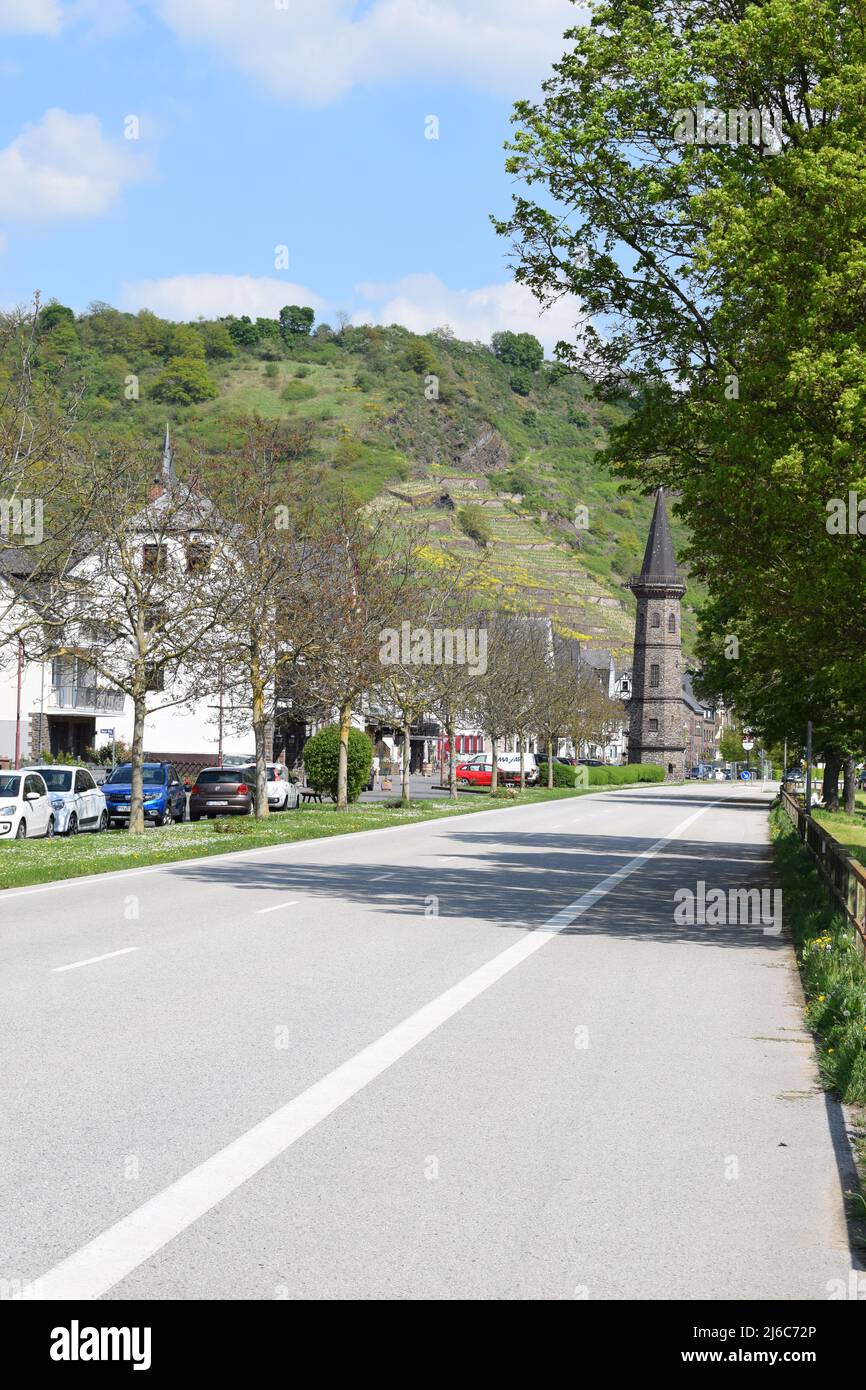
(77, 802)
(25, 806)
(279, 786)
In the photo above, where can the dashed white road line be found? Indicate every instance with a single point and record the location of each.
(111, 1256)
(92, 960)
(260, 911)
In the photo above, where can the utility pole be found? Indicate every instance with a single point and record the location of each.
(18, 704)
(809, 768)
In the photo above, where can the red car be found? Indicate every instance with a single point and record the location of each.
(476, 772)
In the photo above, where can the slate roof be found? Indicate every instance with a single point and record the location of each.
(659, 561)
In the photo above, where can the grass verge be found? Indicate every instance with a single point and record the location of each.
(27, 862)
(850, 831)
(832, 967)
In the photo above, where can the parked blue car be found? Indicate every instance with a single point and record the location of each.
(164, 794)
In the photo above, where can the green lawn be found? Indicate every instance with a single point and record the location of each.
(850, 831)
(45, 861)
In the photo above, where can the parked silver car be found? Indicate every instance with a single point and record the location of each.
(77, 802)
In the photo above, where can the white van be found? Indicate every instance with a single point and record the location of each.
(509, 767)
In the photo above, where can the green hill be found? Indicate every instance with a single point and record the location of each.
(495, 449)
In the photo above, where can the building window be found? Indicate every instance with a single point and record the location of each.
(672, 622)
(657, 621)
(152, 558)
(155, 677)
(654, 726)
(655, 676)
(197, 557)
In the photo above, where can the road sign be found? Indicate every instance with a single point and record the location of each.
(748, 744)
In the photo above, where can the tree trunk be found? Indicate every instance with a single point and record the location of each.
(494, 772)
(850, 785)
(343, 762)
(830, 785)
(452, 761)
(407, 758)
(136, 757)
(260, 733)
(550, 764)
(522, 765)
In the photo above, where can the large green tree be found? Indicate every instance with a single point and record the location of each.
(718, 262)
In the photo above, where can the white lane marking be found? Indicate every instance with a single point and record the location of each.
(111, 1256)
(76, 965)
(260, 911)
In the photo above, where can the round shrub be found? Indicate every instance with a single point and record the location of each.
(321, 761)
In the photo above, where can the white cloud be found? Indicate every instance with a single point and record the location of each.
(30, 17)
(313, 51)
(184, 297)
(418, 302)
(64, 167)
(423, 302)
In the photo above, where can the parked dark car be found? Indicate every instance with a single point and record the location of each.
(164, 796)
(221, 791)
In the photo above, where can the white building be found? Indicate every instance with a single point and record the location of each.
(59, 704)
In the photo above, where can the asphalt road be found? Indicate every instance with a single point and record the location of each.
(471, 1059)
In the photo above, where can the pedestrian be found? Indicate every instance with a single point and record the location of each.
(374, 772)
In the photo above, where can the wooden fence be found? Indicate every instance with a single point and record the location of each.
(844, 876)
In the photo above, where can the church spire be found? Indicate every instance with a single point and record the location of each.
(168, 474)
(659, 561)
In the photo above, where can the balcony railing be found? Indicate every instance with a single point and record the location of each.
(86, 697)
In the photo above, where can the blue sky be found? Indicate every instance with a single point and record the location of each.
(267, 123)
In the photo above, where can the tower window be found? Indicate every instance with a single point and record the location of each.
(654, 675)
(654, 726)
(672, 623)
(656, 622)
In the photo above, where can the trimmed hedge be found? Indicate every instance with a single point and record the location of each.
(563, 775)
(321, 759)
(627, 775)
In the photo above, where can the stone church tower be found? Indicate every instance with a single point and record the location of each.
(656, 712)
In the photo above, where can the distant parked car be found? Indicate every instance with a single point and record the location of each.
(279, 786)
(77, 802)
(164, 796)
(221, 791)
(590, 762)
(25, 806)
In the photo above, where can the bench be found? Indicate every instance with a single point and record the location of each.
(308, 794)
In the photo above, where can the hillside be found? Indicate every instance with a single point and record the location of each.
(495, 451)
